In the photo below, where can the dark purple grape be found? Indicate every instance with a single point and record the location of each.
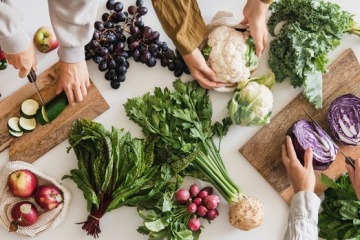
(142, 48)
(178, 72)
(110, 74)
(96, 35)
(171, 66)
(104, 51)
(121, 70)
(98, 59)
(121, 78)
(142, 11)
(88, 55)
(151, 62)
(130, 40)
(112, 64)
(134, 30)
(164, 62)
(139, 3)
(121, 16)
(132, 9)
(109, 25)
(110, 4)
(169, 54)
(119, 47)
(154, 35)
(118, 29)
(186, 70)
(164, 46)
(115, 83)
(94, 44)
(105, 17)
(110, 47)
(103, 66)
(146, 32)
(120, 60)
(127, 64)
(145, 56)
(139, 23)
(111, 38)
(118, 7)
(136, 55)
(98, 25)
(126, 54)
(134, 45)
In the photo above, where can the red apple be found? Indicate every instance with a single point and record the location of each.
(48, 197)
(23, 214)
(3, 61)
(22, 183)
(45, 39)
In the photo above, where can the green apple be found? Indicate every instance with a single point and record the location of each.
(45, 39)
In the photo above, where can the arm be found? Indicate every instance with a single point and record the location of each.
(303, 215)
(354, 175)
(183, 23)
(73, 25)
(254, 16)
(15, 43)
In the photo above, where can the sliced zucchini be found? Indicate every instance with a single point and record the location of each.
(52, 109)
(27, 124)
(13, 124)
(28, 108)
(15, 134)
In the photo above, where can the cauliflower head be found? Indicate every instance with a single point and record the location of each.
(252, 105)
(229, 54)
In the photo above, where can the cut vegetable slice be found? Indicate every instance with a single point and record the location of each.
(13, 124)
(28, 108)
(15, 134)
(27, 124)
(52, 109)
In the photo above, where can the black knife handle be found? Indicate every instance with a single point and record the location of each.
(350, 161)
(31, 76)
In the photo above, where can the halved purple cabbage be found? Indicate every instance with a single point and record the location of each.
(344, 119)
(307, 134)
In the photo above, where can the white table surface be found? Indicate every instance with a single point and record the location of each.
(122, 223)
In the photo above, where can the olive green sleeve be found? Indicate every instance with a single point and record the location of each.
(182, 22)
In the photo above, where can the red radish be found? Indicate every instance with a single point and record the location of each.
(208, 189)
(2, 56)
(194, 224)
(202, 194)
(182, 196)
(197, 201)
(23, 214)
(211, 214)
(201, 211)
(211, 201)
(191, 208)
(194, 190)
(48, 197)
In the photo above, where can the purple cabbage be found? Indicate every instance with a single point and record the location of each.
(344, 119)
(307, 134)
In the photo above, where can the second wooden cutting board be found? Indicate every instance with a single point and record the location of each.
(31, 146)
(263, 150)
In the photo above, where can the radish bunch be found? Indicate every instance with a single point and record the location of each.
(199, 203)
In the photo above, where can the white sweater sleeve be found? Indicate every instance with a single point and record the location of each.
(13, 37)
(73, 25)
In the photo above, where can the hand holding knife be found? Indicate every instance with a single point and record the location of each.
(348, 159)
(32, 78)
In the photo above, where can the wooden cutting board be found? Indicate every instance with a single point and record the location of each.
(31, 146)
(263, 150)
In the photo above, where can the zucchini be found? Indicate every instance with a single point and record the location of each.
(52, 109)
(15, 134)
(13, 124)
(28, 108)
(27, 124)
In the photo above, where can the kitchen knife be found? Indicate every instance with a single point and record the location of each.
(348, 159)
(32, 78)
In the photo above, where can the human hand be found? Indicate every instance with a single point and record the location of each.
(254, 15)
(302, 177)
(354, 175)
(23, 61)
(74, 80)
(200, 71)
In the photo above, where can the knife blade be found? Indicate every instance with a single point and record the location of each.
(348, 159)
(32, 78)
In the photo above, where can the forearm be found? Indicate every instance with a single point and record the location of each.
(303, 216)
(73, 25)
(182, 22)
(13, 37)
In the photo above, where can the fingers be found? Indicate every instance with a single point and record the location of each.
(284, 156)
(308, 158)
(290, 149)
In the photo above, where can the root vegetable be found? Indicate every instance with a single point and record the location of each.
(182, 196)
(211, 202)
(191, 208)
(212, 214)
(197, 201)
(247, 213)
(194, 224)
(201, 211)
(194, 190)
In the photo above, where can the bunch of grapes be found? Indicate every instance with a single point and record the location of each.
(199, 203)
(121, 35)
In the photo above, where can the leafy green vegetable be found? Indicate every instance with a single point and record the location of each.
(299, 51)
(250, 56)
(113, 170)
(167, 220)
(180, 121)
(206, 51)
(340, 218)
